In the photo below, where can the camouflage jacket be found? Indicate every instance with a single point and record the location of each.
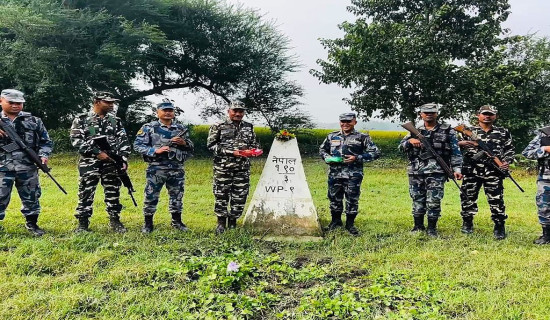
(33, 133)
(228, 136)
(535, 151)
(154, 135)
(338, 144)
(498, 139)
(89, 125)
(444, 142)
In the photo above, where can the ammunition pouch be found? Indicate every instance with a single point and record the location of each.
(10, 147)
(481, 156)
(425, 156)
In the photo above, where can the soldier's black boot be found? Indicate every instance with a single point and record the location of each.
(222, 221)
(350, 220)
(432, 227)
(83, 224)
(177, 223)
(116, 225)
(32, 225)
(231, 223)
(545, 238)
(467, 225)
(148, 225)
(335, 223)
(499, 231)
(418, 224)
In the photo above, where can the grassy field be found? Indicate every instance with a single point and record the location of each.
(387, 273)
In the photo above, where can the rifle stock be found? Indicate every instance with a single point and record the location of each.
(495, 161)
(409, 126)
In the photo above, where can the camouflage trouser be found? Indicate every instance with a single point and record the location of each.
(543, 201)
(230, 187)
(350, 188)
(28, 188)
(156, 178)
(493, 190)
(426, 192)
(86, 190)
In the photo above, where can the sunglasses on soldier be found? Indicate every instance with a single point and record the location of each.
(345, 121)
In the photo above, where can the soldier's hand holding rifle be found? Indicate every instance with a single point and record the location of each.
(104, 157)
(468, 143)
(162, 149)
(415, 143)
(179, 141)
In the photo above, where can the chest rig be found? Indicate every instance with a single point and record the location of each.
(440, 140)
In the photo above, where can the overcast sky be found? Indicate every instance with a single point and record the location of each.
(305, 21)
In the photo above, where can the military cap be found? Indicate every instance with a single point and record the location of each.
(237, 105)
(13, 95)
(165, 105)
(488, 109)
(429, 107)
(105, 96)
(347, 116)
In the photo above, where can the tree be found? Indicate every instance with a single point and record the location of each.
(515, 77)
(59, 52)
(400, 54)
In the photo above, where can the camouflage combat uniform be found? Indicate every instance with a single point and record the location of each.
(344, 180)
(483, 173)
(231, 174)
(426, 177)
(534, 151)
(166, 168)
(91, 169)
(16, 167)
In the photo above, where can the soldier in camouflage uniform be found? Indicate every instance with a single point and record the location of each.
(15, 166)
(345, 151)
(94, 164)
(165, 146)
(539, 149)
(227, 140)
(426, 177)
(479, 170)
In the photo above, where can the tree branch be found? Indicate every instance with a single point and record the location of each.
(160, 88)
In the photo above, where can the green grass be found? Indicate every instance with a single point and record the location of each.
(386, 273)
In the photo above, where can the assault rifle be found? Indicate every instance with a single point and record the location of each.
(171, 144)
(488, 153)
(103, 144)
(17, 143)
(430, 152)
(181, 134)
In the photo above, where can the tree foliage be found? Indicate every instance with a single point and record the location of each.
(400, 54)
(515, 78)
(59, 52)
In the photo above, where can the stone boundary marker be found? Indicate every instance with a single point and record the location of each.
(281, 207)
